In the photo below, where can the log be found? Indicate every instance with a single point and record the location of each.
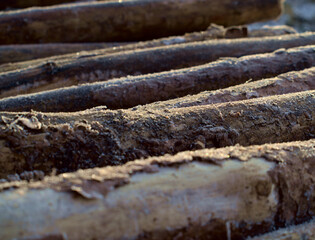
(32, 3)
(128, 20)
(16, 53)
(299, 232)
(35, 50)
(51, 75)
(290, 82)
(97, 137)
(31, 51)
(132, 91)
(230, 193)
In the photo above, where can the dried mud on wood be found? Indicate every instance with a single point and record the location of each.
(67, 142)
(128, 20)
(133, 91)
(206, 194)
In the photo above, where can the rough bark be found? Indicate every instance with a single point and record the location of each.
(271, 31)
(290, 82)
(128, 20)
(16, 53)
(50, 75)
(300, 232)
(213, 32)
(133, 91)
(228, 193)
(97, 137)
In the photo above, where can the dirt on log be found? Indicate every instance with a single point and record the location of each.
(97, 137)
(133, 91)
(128, 20)
(228, 193)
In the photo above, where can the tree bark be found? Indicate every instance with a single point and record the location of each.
(228, 193)
(128, 20)
(16, 53)
(97, 137)
(289, 82)
(35, 50)
(133, 91)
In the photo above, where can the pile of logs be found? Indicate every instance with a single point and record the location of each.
(155, 119)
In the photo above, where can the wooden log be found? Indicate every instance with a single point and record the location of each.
(16, 53)
(228, 193)
(128, 20)
(31, 51)
(299, 232)
(133, 91)
(290, 82)
(98, 137)
(51, 75)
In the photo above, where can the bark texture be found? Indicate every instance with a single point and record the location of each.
(133, 91)
(290, 82)
(129, 20)
(98, 137)
(228, 193)
(16, 53)
(50, 75)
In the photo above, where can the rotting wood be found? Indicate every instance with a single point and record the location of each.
(289, 82)
(133, 91)
(299, 232)
(16, 53)
(50, 75)
(98, 137)
(213, 32)
(228, 193)
(128, 20)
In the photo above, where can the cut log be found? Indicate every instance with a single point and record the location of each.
(128, 20)
(97, 137)
(35, 51)
(290, 82)
(299, 232)
(133, 91)
(50, 75)
(17, 52)
(228, 193)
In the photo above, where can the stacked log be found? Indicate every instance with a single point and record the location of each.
(133, 120)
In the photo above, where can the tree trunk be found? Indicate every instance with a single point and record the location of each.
(133, 91)
(128, 20)
(96, 137)
(228, 193)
